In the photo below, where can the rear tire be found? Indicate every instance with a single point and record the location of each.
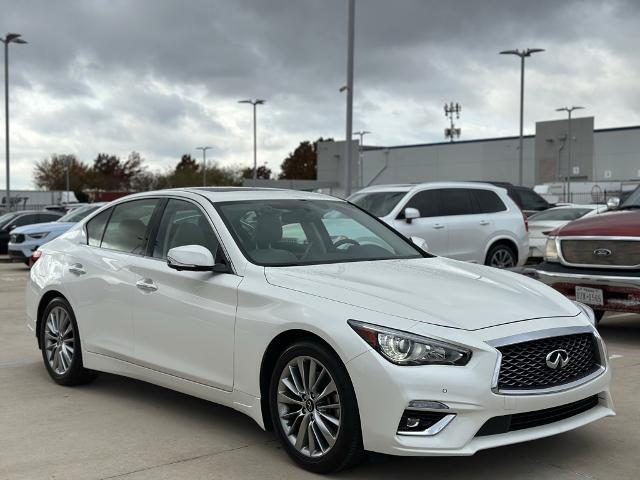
(501, 255)
(60, 343)
(323, 432)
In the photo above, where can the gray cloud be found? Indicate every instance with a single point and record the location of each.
(163, 77)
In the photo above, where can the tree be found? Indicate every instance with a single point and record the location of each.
(302, 163)
(51, 173)
(107, 172)
(131, 169)
(187, 164)
(263, 172)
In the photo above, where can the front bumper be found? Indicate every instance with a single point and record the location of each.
(384, 391)
(621, 288)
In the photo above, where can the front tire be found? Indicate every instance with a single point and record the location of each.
(60, 342)
(314, 409)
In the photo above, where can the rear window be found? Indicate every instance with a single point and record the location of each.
(488, 201)
(560, 214)
(379, 204)
(528, 200)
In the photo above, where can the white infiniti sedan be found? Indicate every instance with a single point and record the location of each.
(317, 320)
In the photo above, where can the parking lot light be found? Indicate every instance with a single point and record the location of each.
(522, 54)
(569, 111)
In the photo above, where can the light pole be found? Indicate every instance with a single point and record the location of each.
(255, 103)
(361, 134)
(204, 164)
(569, 111)
(68, 161)
(522, 54)
(9, 38)
(349, 88)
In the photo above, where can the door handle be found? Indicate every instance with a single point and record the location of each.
(484, 222)
(146, 285)
(438, 226)
(77, 269)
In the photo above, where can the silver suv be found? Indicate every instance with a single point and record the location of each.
(468, 221)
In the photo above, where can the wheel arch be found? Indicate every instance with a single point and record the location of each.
(42, 304)
(508, 241)
(277, 345)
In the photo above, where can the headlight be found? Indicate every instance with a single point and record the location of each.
(38, 235)
(588, 311)
(551, 250)
(403, 348)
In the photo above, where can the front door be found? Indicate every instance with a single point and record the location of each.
(184, 321)
(431, 225)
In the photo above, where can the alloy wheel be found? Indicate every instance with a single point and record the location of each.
(59, 340)
(309, 406)
(502, 258)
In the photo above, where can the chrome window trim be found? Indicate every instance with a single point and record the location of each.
(559, 239)
(434, 429)
(538, 335)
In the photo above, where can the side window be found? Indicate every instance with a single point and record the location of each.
(293, 232)
(47, 217)
(183, 223)
(25, 220)
(95, 228)
(427, 202)
(456, 201)
(127, 227)
(488, 201)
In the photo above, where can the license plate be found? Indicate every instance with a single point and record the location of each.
(590, 296)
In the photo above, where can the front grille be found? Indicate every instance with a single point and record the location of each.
(606, 252)
(17, 238)
(524, 365)
(520, 421)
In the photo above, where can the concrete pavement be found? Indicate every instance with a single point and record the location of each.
(126, 429)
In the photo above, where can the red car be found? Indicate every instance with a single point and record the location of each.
(596, 260)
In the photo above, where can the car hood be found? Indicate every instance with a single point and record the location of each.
(437, 290)
(43, 227)
(625, 223)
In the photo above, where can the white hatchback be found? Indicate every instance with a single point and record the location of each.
(467, 221)
(317, 320)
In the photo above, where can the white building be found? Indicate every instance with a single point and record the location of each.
(611, 154)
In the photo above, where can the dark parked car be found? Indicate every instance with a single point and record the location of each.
(12, 220)
(529, 201)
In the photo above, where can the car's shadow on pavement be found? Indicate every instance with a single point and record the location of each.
(547, 457)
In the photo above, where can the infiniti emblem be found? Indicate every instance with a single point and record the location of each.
(602, 252)
(557, 359)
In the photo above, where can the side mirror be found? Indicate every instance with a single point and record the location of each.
(194, 258)
(420, 242)
(410, 214)
(613, 203)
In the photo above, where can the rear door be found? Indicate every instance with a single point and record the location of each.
(431, 225)
(99, 279)
(463, 223)
(184, 321)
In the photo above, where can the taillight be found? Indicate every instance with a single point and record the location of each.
(34, 256)
(526, 221)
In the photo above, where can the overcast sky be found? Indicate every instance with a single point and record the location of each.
(163, 76)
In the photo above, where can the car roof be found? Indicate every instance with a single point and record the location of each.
(230, 194)
(407, 187)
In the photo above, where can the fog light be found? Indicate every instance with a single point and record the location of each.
(428, 405)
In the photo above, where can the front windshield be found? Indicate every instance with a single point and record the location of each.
(379, 204)
(560, 214)
(633, 201)
(78, 214)
(307, 232)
